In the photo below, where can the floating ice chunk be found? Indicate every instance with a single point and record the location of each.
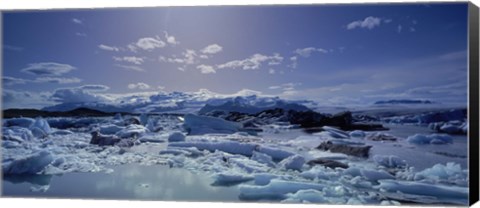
(417, 188)
(276, 189)
(38, 133)
(248, 165)
(389, 161)
(41, 124)
(230, 177)
(144, 119)
(451, 173)
(430, 139)
(151, 126)
(174, 152)
(176, 137)
(31, 164)
(131, 131)
(390, 202)
(110, 129)
(263, 158)
(18, 134)
(232, 147)
(451, 128)
(357, 134)
(262, 179)
(353, 171)
(375, 175)
(197, 125)
(294, 162)
(275, 153)
(62, 132)
(336, 133)
(21, 122)
(118, 116)
(319, 172)
(306, 196)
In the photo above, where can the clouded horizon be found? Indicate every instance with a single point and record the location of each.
(332, 54)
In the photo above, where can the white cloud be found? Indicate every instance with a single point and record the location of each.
(253, 62)
(108, 48)
(47, 69)
(399, 28)
(24, 99)
(212, 49)
(170, 39)
(139, 85)
(12, 48)
(84, 93)
(9, 81)
(57, 80)
(129, 67)
(130, 59)
(77, 21)
(368, 23)
(189, 58)
(206, 69)
(306, 52)
(81, 34)
(271, 71)
(412, 29)
(285, 87)
(149, 43)
(94, 87)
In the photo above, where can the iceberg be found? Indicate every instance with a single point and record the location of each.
(21, 122)
(230, 178)
(176, 137)
(294, 162)
(132, 130)
(198, 125)
(389, 161)
(276, 189)
(32, 164)
(430, 139)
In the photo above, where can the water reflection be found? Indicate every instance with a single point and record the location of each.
(126, 182)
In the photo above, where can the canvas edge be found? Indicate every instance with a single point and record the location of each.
(473, 112)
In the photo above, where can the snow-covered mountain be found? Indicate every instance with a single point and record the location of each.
(186, 102)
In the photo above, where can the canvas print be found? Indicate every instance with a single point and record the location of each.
(325, 104)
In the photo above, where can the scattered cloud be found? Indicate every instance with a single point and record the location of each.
(412, 29)
(368, 23)
(47, 69)
(399, 28)
(189, 57)
(92, 87)
(212, 49)
(149, 43)
(12, 48)
(253, 62)
(77, 21)
(9, 81)
(81, 34)
(171, 39)
(57, 80)
(306, 52)
(140, 86)
(271, 71)
(24, 99)
(206, 69)
(108, 48)
(130, 59)
(130, 67)
(86, 93)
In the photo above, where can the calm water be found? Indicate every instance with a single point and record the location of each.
(133, 182)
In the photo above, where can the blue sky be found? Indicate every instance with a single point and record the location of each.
(333, 54)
